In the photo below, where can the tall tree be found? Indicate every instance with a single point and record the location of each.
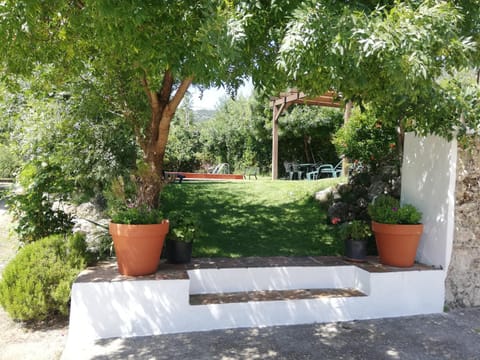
(141, 56)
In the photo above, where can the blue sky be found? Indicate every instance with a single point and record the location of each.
(213, 96)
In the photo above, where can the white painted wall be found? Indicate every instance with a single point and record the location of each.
(107, 309)
(428, 182)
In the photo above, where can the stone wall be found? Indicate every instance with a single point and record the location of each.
(463, 278)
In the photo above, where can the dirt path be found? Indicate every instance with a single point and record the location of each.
(18, 341)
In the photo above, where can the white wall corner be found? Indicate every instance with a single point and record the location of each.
(428, 182)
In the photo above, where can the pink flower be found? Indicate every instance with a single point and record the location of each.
(336, 220)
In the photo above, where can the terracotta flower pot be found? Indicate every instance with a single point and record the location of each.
(138, 247)
(397, 244)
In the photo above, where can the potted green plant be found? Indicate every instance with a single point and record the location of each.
(355, 235)
(184, 229)
(138, 235)
(397, 230)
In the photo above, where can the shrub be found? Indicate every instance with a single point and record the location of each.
(36, 284)
(9, 162)
(34, 208)
(366, 139)
(355, 229)
(386, 210)
(183, 226)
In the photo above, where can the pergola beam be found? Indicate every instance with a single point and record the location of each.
(295, 97)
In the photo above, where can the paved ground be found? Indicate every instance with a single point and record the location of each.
(454, 335)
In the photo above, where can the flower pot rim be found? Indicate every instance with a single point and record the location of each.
(115, 228)
(386, 224)
(160, 223)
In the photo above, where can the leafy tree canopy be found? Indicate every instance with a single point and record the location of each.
(140, 56)
(390, 57)
(107, 36)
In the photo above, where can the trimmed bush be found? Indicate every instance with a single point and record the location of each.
(36, 284)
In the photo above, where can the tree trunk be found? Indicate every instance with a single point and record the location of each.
(149, 176)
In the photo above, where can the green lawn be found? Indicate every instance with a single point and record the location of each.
(256, 218)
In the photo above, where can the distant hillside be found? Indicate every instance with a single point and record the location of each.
(203, 115)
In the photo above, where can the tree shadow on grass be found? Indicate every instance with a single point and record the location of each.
(235, 223)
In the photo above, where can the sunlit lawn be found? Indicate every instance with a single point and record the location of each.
(256, 218)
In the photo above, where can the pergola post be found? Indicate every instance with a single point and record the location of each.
(346, 116)
(277, 111)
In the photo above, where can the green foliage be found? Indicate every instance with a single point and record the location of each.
(184, 141)
(408, 214)
(184, 226)
(109, 39)
(257, 28)
(34, 209)
(9, 162)
(305, 134)
(240, 134)
(104, 248)
(74, 129)
(36, 284)
(366, 139)
(236, 135)
(137, 216)
(388, 57)
(386, 210)
(356, 230)
(78, 254)
(119, 193)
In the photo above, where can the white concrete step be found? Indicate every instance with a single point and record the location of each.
(270, 295)
(105, 304)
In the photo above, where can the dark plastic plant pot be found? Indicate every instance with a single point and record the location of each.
(356, 250)
(179, 252)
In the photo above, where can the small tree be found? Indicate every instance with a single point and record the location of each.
(140, 56)
(367, 139)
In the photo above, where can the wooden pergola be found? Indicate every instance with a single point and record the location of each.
(282, 102)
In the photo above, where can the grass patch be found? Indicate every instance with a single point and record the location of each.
(256, 218)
